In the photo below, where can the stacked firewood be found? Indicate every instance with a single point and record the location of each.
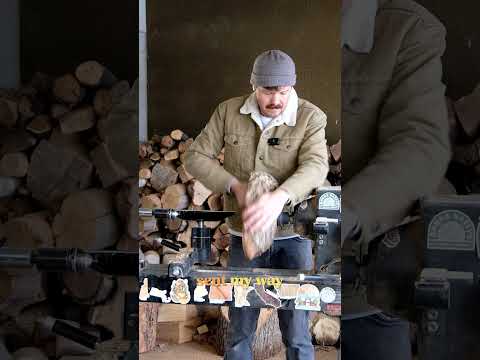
(165, 183)
(335, 160)
(68, 180)
(464, 116)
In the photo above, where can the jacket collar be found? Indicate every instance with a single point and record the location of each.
(358, 24)
(287, 117)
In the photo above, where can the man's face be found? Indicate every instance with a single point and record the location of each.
(272, 101)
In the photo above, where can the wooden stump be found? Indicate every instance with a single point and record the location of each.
(268, 338)
(147, 330)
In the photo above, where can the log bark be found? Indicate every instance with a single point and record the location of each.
(147, 326)
(267, 341)
(93, 74)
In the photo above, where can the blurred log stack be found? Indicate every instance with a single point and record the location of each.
(165, 183)
(68, 171)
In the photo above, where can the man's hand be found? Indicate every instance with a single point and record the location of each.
(239, 189)
(264, 212)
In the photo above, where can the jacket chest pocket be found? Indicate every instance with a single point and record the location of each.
(284, 156)
(238, 154)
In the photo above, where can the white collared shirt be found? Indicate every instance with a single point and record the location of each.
(287, 117)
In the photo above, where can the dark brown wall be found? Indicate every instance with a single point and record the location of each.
(462, 57)
(201, 53)
(57, 35)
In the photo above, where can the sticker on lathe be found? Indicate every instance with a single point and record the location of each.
(308, 298)
(268, 297)
(143, 294)
(327, 295)
(288, 291)
(179, 292)
(219, 294)
(199, 293)
(241, 293)
(162, 294)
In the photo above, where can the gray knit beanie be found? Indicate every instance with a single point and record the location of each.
(273, 68)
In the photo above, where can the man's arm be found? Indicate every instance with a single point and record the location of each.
(201, 157)
(413, 146)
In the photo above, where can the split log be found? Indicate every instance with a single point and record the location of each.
(325, 329)
(40, 125)
(175, 197)
(146, 164)
(163, 151)
(198, 192)
(15, 140)
(184, 145)
(467, 112)
(163, 176)
(171, 155)
(25, 108)
(8, 113)
(78, 120)
(144, 173)
(336, 151)
(119, 90)
(176, 225)
(211, 224)
(155, 156)
(142, 151)
(14, 164)
(214, 256)
(215, 202)
(178, 135)
(92, 73)
(151, 201)
(186, 236)
(168, 142)
(87, 220)
(224, 228)
(68, 90)
(28, 232)
(184, 174)
(103, 102)
(58, 110)
(108, 170)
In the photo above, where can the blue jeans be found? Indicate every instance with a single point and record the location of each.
(292, 253)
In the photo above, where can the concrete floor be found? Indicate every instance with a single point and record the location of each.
(195, 351)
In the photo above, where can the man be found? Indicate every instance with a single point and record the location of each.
(395, 150)
(274, 131)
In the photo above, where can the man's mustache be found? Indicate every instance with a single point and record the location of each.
(273, 106)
